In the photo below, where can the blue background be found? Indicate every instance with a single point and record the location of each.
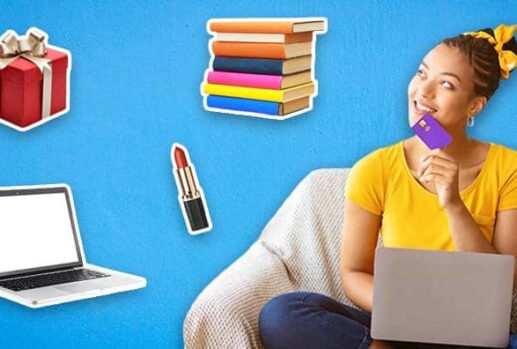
(136, 73)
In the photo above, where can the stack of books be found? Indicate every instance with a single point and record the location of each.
(262, 68)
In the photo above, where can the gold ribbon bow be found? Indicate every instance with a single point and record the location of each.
(30, 47)
(502, 34)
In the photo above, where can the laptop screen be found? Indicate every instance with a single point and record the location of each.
(36, 231)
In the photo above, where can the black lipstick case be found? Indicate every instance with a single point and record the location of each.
(195, 210)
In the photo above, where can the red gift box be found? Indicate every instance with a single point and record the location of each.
(34, 79)
(21, 89)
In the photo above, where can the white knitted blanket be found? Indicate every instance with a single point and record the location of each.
(297, 250)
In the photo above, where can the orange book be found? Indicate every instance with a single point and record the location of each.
(266, 26)
(261, 50)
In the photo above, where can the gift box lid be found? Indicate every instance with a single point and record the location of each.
(23, 71)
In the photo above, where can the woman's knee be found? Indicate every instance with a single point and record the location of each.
(275, 311)
(310, 320)
(278, 316)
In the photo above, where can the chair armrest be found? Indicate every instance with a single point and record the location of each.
(225, 314)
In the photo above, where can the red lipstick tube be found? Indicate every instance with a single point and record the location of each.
(190, 196)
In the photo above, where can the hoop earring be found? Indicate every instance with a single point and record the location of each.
(470, 121)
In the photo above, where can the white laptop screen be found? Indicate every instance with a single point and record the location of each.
(36, 231)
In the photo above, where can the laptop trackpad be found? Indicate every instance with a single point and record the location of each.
(84, 286)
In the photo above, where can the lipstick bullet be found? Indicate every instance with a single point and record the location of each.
(190, 194)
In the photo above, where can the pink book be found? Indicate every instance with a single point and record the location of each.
(248, 80)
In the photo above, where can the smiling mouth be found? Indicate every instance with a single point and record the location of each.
(423, 108)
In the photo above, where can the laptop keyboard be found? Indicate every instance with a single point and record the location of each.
(42, 280)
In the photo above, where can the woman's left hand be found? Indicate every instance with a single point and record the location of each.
(440, 168)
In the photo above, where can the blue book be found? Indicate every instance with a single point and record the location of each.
(256, 106)
(262, 65)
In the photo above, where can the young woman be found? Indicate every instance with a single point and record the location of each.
(460, 198)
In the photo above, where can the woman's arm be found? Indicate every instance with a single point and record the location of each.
(359, 239)
(465, 232)
(443, 170)
(505, 236)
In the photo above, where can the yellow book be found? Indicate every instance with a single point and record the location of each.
(263, 94)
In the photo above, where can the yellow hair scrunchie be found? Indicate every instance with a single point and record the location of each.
(502, 34)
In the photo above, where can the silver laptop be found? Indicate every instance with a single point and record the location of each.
(438, 297)
(41, 255)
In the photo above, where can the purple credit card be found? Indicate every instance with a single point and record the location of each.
(431, 132)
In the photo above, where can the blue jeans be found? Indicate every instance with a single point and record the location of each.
(311, 320)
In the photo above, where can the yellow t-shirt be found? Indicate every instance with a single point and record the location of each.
(412, 217)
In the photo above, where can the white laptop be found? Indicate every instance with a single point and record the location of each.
(457, 298)
(41, 255)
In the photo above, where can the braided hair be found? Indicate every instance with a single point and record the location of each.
(483, 58)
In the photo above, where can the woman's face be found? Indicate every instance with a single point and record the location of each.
(444, 86)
